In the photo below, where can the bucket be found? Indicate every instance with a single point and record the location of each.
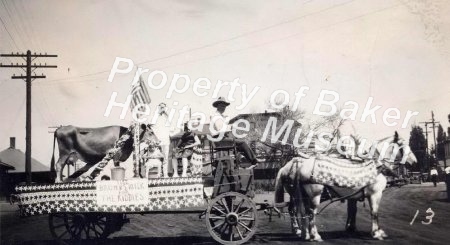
(118, 173)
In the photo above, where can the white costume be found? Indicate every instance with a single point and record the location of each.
(163, 133)
(433, 172)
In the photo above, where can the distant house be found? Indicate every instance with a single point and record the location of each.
(13, 160)
(4, 179)
(258, 121)
(274, 155)
(258, 124)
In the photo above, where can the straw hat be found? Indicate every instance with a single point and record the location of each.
(220, 100)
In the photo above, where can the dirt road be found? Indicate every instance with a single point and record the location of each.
(398, 208)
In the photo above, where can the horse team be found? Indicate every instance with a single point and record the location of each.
(297, 179)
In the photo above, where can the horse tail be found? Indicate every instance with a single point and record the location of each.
(279, 190)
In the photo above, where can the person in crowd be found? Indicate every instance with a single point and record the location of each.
(186, 148)
(162, 131)
(221, 128)
(434, 175)
(447, 181)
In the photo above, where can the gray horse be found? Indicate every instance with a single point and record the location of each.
(297, 178)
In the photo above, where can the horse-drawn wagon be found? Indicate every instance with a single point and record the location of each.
(95, 209)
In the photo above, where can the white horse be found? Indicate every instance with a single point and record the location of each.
(296, 177)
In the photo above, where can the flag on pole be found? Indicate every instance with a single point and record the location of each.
(139, 94)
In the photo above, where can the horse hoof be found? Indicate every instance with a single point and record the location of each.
(379, 238)
(316, 239)
(298, 233)
(382, 233)
(379, 235)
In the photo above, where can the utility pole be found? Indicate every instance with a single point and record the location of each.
(28, 77)
(427, 158)
(426, 137)
(434, 133)
(432, 122)
(434, 139)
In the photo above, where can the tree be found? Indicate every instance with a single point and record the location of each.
(277, 152)
(303, 131)
(418, 146)
(440, 149)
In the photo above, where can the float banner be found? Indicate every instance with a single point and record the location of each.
(122, 192)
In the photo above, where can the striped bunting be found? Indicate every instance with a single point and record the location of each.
(168, 194)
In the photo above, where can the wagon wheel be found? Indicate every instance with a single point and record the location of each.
(70, 227)
(231, 218)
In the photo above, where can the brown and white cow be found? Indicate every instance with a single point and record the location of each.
(91, 145)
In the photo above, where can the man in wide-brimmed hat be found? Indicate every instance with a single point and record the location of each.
(219, 120)
(220, 125)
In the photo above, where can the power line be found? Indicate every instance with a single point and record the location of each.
(77, 81)
(217, 42)
(231, 51)
(23, 27)
(30, 16)
(8, 12)
(283, 38)
(245, 34)
(14, 41)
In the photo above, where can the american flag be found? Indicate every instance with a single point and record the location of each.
(139, 94)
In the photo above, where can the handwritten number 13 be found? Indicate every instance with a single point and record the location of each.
(428, 217)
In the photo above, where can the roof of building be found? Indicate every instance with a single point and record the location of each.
(6, 166)
(264, 114)
(16, 159)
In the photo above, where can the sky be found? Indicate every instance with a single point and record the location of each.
(395, 52)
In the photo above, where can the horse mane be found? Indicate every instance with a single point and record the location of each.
(380, 142)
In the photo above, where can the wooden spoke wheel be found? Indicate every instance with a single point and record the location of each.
(231, 218)
(67, 228)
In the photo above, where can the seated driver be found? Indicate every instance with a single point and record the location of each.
(220, 125)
